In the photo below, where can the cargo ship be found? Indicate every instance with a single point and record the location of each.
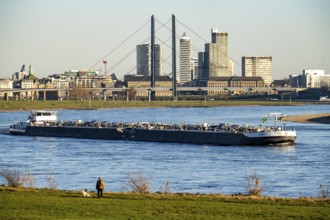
(46, 124)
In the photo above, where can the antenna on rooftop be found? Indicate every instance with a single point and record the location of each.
(105, 66)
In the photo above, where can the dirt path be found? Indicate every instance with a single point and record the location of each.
(310, 118)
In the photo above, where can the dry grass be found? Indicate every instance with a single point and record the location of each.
(16, 178)
(139, 182)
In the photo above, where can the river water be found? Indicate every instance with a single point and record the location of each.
(75, 164)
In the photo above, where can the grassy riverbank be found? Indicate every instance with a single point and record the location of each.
(101, 104)
(58, 204)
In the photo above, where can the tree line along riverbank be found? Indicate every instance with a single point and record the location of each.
(32, 203)
(101, 104)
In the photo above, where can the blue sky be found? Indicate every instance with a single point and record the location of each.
(56, 36)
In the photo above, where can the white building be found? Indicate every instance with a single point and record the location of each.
(6, 84)
(185, 59)
(258, 66)
(60, 83)
(314, 78)
(27, 84)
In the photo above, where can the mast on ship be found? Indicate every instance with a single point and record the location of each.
(276, 116)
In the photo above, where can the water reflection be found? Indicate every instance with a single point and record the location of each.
(290, 171)
(285, 149)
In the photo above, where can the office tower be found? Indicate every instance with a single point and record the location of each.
(194, 68)
(215, 59)
(230, 67)
(258, 66)
(185, 59)
(143, 59)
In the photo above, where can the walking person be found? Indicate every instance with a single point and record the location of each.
(99, 187)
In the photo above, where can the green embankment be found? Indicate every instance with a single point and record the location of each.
(56, 204)
(100, 104)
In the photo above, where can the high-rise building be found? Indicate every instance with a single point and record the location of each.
(143, 59)
(215, 61)
(185, 59)
(258, 66)
(194, 68)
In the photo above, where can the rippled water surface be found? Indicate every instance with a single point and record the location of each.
(289, 171)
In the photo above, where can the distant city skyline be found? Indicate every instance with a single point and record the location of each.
(56, 36)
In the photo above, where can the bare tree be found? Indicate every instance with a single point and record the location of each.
(51, 184)
(166, 189)
(16, 178)
(253, 186)
(78, 93)
(139, 183)
(132, 93)
(324, 193)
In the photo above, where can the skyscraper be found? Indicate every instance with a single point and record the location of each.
(185, 59)
(258, 66)
(215, 59)
(143, 59)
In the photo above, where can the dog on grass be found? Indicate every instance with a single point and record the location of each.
(85, 193)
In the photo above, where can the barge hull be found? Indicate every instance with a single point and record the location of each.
(212, 138)
(77, 132)
(169, 136)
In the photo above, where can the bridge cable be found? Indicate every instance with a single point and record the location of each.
(207, 41)
(119, 45)
(131, 52)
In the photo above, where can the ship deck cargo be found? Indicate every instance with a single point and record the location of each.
(45, 123)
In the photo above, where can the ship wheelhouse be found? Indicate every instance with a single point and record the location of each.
(43, 116)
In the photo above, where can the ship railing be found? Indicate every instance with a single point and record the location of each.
(20, 125)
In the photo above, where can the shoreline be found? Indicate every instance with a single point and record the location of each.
(93, 193)
(8, 106)
(322, 118)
